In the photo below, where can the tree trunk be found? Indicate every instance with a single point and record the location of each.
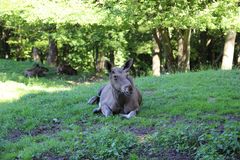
(213, 57)
(228, 51)
(167, 49)
(156, 52)
(52, 53)
(99, 59)
(4, 49)
(238, 60)
(36, 55)
(111, 56)
(96, 56)
(65, 51)
(203, 47)
(184, 51)
(100, 62)
(4, 46)
(155, 64)
(236, 57)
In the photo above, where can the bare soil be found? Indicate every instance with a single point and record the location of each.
(47, 129)
(50, 156)
(141, 131)
(163, 154)
(176, 118)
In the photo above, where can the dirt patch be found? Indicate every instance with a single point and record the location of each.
(140, 131)
(15, 134)
(220, 128)
(88, 128)
(50, 156)
(46, 129)
(82, 124)
(170, 154)
(166, 154)
(232, 117)
(175, 119)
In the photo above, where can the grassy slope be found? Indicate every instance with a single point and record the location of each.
(190, 115)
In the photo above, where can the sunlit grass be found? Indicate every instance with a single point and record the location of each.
(10, 90)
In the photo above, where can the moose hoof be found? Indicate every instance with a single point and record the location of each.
(129, 115)
(124, 116)
(96, 110)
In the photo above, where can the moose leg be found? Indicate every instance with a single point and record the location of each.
(97, 110)
(106, 111)
(94, 99)
(129, 115)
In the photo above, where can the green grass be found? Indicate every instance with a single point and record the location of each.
(186, 115)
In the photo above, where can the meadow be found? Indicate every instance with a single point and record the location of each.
(193, 115)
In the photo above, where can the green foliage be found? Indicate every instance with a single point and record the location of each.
(60, 11)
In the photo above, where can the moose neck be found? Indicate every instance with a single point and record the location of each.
(119, 97)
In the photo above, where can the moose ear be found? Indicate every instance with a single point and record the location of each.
(108, 65)
(127, 65)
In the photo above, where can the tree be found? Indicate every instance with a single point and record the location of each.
(52, 53)
(228, 52)
(226, 14)
(156, 54)
(4, 37)
(167, 48)
(36, 55)
(184, 51)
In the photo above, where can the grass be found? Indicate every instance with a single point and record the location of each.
(183, 116)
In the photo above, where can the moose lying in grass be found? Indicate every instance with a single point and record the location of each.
(120, 95)
(36, 71)
(66, 69)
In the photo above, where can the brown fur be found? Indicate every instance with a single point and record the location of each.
(36, 71)
(120, 95)
(66, 69)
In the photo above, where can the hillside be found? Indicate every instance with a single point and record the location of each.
(183, 116)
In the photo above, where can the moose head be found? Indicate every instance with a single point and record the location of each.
(119, 77)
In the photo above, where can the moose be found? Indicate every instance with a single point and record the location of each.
(36, 71)
(119, 96)
(66, 69)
